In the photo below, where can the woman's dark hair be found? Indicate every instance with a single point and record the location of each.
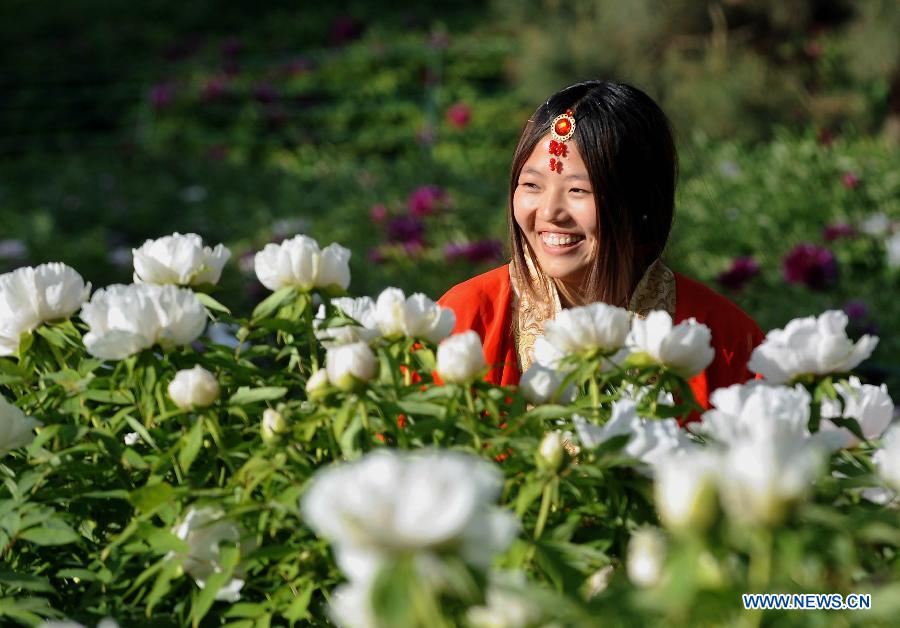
(626, 143)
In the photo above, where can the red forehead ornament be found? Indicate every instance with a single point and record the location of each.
(562, 129)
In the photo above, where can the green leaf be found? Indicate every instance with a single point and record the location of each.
(171, 569)
(150, 497)
(190, 445)
(245, 394)
(24, 581)
(53, 531)
(119, 397)
(211, 303)
(299, 608)
(272, 303)
(423, 408)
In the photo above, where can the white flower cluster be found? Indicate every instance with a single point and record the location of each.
(416, 316)
(389, 503)
(685, 348)
(810, 346)
(31, 296)
(299, 263)
(124, 320)
(179, 259)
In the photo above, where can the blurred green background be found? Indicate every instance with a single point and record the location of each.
(390, 129)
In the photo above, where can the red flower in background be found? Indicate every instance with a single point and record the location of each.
(742, 270)
(475, 252)
(810, 265)
(850, 180)
(378, 213)
(426, 200)
(459, 115)
(837, 231)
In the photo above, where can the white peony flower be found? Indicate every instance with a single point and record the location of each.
(460, 358)
(33, 295)
(594, 327)
(391, 502)
(300, 263)
(646, 557)
(414, 316)
(204, 529)
(759, 478)
(193, 388)
(810, 346)
(507, 604)
(273, 425)
(131, 438)
(757, 411)
(540, 383)
(16, 429)
(892, 250)
(349, 365)
(334, 267)
(362, 310)
(871, 406)
(598, 582)
(684, 348)
(768, 456)
(685, 490)
(124, 320)
(179, 259)
(651, 440)
(887, 458)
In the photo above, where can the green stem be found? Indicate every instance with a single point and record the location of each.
(473, 417)
(761, 561)
(595, 394)
(546, 499)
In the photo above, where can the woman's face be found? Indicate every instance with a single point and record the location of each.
(557, 213)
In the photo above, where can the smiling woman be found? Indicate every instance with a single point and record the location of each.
(592, 200)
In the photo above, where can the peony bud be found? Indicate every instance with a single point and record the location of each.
(317, 384)
(460, 358)
(551, 452)
(193, 388)
(273, 425)
(646, 557)
(599, 581)
(685, 491)
(348, 365)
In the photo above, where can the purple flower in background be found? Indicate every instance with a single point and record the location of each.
(217, 152)
(266, 93)
(742, 270)
(344, 29)
(231, 46)
(161, 95)
(378, 213)
(413, 248)
(837, 231)
(475, 252)
(426, 200)
(298, 67)
(850, 180)
(459, 114)
(856, 310)
(825, 137)
(813, 266)
(214, 88)
(406, 229)
(375, 256)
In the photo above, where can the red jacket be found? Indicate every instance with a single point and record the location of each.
(484, 304)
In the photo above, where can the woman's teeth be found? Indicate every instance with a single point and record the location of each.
(554, 239)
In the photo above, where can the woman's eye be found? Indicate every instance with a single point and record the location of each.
(532, 186)
(579, 190)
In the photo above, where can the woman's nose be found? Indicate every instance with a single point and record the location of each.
(552, 206)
